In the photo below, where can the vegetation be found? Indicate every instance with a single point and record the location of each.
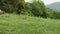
(54, 14)
(36, 8)
(11, 6)
(28, 18)
(15, 24)
(39, 9)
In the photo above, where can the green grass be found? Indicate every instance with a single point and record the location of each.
(15, 24)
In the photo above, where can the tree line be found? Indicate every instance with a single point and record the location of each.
(35, 8)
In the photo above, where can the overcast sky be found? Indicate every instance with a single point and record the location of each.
(46, 1)
(50, 1)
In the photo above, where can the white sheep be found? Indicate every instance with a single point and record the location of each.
(2, 12)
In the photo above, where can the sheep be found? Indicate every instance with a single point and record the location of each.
(2, 12)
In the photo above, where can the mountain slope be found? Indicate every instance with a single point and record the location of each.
(55, 5)
(15, 24)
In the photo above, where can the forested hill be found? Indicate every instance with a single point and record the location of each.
(55, 5)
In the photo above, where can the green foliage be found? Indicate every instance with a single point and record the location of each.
(54, 14)
(15, 6)
(36, 8)
(27, 9)
(11, 6)
(39, 9)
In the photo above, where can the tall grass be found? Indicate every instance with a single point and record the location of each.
(22, 24)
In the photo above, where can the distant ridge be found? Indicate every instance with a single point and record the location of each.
(55, 5)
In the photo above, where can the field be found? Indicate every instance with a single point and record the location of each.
(22, 24)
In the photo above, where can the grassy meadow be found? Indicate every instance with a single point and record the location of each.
(22, 24)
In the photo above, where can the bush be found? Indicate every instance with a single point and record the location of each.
(54, 14)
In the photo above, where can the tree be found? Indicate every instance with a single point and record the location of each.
(11, 6)
(39, 9)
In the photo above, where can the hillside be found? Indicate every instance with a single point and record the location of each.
(15, 24)
(55, 5)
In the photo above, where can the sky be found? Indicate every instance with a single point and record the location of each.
(50, 1)
(46, 1)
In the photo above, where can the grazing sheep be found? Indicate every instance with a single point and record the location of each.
(2, 12)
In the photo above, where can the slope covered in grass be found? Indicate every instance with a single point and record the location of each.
(15, 24)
